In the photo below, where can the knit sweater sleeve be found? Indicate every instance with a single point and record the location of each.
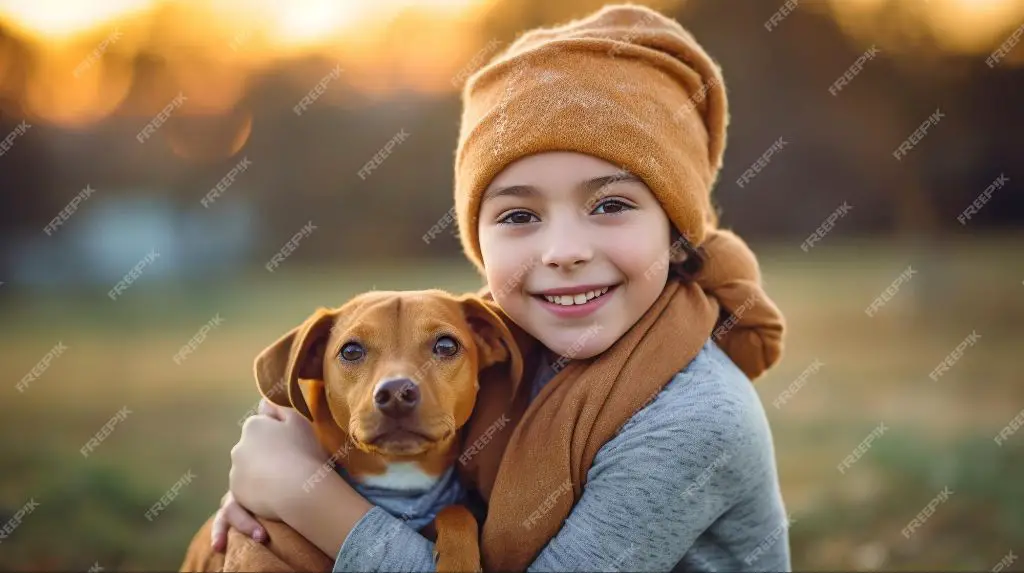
(690, 480)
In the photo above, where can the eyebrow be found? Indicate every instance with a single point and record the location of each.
(589, 186)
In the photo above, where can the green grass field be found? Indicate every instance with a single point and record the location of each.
(184, 418)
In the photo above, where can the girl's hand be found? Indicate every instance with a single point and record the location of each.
(277, 453)
(232, 514)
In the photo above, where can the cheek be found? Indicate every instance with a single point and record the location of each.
(464, 402)
(350, 392)
(504, 267)
(451, 390)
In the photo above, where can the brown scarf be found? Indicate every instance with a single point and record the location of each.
(525, 459)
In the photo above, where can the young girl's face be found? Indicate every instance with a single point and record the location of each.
(575, 249)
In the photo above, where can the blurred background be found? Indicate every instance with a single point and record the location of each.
(263, 117)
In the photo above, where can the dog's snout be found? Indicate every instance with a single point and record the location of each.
(397, 398)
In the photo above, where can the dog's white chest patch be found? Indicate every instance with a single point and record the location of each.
(402, 476)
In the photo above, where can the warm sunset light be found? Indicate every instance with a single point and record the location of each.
(82, 68)
(966, 26)
(85, 54)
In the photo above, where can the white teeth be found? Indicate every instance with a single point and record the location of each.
(570, 300)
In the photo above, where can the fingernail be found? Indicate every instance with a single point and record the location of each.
(259, 535)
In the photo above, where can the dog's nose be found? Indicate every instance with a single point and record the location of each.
(396, 398)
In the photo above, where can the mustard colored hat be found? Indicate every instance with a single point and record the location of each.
(625, 84)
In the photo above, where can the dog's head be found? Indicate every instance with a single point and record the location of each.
(399, 370)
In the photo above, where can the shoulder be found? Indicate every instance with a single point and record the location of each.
(711, 393)
(707, 416)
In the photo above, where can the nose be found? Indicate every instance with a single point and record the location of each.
(567, 248)
(397, 397)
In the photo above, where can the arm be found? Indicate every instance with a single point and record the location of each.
(652, 491)
(327, 517)
(672, 471)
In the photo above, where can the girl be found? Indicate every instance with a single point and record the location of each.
(585, 160)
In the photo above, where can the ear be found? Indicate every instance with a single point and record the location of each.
(298, 354)
(494, 340)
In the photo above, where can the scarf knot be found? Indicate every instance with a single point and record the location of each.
(751, 332)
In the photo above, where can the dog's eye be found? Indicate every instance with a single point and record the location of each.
(351, 352)
(446, 346)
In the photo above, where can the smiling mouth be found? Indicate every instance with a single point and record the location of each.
(577, 299)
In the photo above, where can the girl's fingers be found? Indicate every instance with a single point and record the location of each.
(219, 534)
(237, 517)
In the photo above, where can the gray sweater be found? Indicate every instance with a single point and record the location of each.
(689, 484)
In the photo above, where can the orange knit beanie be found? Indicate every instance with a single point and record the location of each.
(625, 84)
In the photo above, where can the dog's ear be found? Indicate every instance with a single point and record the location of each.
(494, 339)
(298, 354)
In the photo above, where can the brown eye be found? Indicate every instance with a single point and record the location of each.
(446, 346)
(517, 218)
(351, 352)
(612, 207)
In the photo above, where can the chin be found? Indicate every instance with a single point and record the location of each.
(401, 449)
(580, 347)
(396, 447)
(399, 442)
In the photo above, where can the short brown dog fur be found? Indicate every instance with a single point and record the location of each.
(387, 380)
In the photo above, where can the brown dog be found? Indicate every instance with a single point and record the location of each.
(387, 381)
